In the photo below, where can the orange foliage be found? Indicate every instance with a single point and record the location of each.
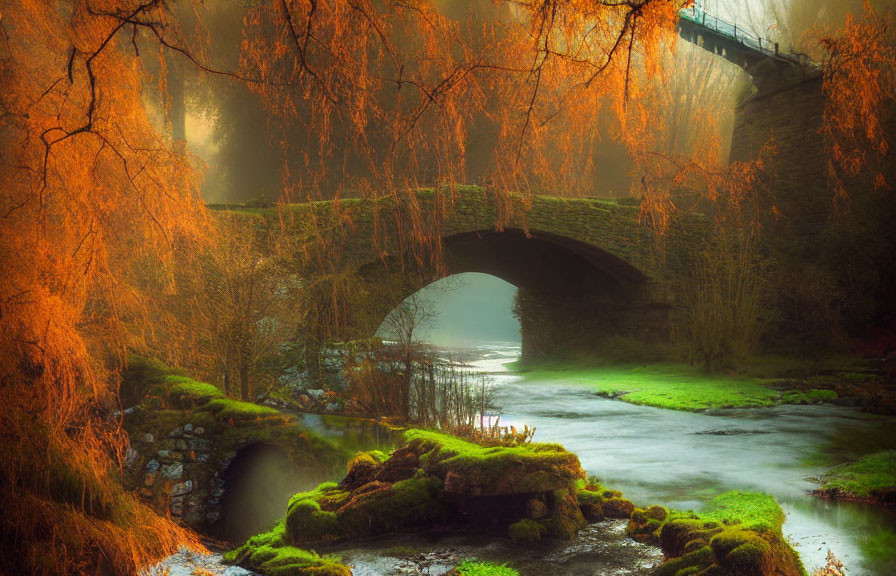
(91, 189)
(859, 80)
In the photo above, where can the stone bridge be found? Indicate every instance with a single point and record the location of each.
(587, 269)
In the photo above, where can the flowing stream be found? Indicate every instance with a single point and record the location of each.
(684, 459)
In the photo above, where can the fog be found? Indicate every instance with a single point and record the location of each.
(470, 308)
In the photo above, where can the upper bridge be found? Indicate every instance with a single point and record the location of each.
(589, 269)
(732, 42)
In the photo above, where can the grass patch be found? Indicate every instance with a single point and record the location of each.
(752, 510)
(473, 568)
(188, 390)
(862, 478)
(671, 386)
(226, 408)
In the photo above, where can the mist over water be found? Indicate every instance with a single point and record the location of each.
(684, 459)
(470, 308)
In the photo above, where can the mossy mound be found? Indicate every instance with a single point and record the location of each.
(645, 524)
(270, 553)
(436, 480)
(473, 470)
(597, 503)
(739, 534)
(526, 530)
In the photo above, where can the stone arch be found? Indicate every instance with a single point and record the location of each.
(255, 484)
(573, 294)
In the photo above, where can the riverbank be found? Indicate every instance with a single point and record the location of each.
(677, 386)
(871, 478)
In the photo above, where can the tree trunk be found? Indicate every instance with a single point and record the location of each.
(406, 388)
(244, 381)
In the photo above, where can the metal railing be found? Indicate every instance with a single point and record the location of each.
(740, 35)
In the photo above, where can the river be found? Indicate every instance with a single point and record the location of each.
(684, 459)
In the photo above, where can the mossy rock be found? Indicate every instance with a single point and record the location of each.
(406, 503)
(677, 535)
(433, 480)
(472, 470)
(269, 554)
(646, 523)
(526, 530)
(599, 504)
(567, 518)
(740, 530)
(306, 522)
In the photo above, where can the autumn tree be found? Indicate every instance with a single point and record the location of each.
(241, 299)
(92, 187)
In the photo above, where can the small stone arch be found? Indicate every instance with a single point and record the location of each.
(255, 485)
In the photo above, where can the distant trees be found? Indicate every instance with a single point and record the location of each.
(245, 301)
(413, 313)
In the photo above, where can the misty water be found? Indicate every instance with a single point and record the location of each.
(684, 459)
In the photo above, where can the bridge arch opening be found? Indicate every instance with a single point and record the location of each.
(572, 294)
(464, 309)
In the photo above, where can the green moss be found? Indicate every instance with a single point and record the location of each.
(226, 408)
(567, 518)
(410, 502)
(597, 503)
(863, 478)
(473, 568)
(526, 530)
(547, 466)
(822, 395)
(739, 549)
(270, 554)
(306, 522)
(646, 523)
(740, 530)
(671, 386)
(690, 563)
(752, 510)
(188, 391)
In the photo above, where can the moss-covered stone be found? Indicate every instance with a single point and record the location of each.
(473, 470)
(526, 530)
(185, 433)
(598, 503)
(739, 535)
(270, 554)
(433, 480)
(566, 518)
(406, 503)
(645, 524)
